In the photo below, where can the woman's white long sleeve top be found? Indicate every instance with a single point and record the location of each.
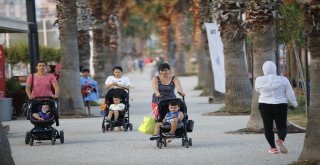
(274, 89)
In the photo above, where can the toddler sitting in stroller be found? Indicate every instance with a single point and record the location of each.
(44, 114)
(173, 118)
(115, 108)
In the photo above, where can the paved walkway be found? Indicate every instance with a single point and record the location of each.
(86, 144)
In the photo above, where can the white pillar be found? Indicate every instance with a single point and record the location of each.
(44, 26)
(7, 40)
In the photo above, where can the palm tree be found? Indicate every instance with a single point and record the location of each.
(99, 50)
(70, 96)
(200, 8)
(178, 23)
(114, 14)
(83, 22)
(164, 24)
(160, 12)
(259, 19)
(238, 87)
(202, 12)
(291, 25)
(311, 147)
(5, 150)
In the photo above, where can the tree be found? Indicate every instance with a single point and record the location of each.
(259, 19)
(311, 147)
(202, 13)
(238, 87)
(160, 12)
(5, 150)
(112, 12)
(178, 23)
(70, 96)
(99, 50)
(83, 24)
(290, 32)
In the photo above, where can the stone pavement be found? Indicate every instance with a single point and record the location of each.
(86, 144)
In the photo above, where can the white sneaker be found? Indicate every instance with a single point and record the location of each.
(282, 147)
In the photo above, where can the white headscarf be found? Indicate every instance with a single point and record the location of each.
(269, 67)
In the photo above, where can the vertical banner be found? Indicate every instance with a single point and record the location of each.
(216, 56)
(2, 74)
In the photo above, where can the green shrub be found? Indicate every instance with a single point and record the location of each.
(13, 85)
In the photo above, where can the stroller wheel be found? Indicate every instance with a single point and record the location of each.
(53, 140)
(111, 128)
(31, 141)
(125, 128)
(160, 144)
(190, 141)
(183, 142)
(103, 127)
(186, 142)
(61, 137)
(130, 127)
(157, 142)
(165, 142)
(27, 138)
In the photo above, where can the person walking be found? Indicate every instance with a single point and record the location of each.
(117, 80)
(164, 87)
(275, 93)
(41, 83)
(89, 89)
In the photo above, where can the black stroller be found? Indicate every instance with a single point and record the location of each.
(123, 119)
(43, 129)
(181, 132)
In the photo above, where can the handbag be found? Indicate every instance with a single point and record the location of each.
(148, 125)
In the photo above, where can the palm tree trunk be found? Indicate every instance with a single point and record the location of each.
(98, 46)
(238, 88)
(84, 48)
(83, 23)
(164, 24)
(198, 39)
(112, 43)
(5, 150)
(262, 52)
(311, 147)
(178, 22)
(70, 97)
(259, 19)
(293, 74)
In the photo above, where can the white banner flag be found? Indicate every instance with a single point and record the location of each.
(216, 56)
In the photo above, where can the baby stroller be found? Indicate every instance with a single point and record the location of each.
(43, 129)
(123, 119)
(181, 132)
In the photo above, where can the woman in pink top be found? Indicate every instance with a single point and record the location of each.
(42, 82)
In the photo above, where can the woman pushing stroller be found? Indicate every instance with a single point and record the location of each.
(164, 88)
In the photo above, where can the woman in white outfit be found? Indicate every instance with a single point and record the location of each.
(117, 80)
(275, 93)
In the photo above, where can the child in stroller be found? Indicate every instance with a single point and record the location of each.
(43, 113)
(172, 122)
(116, 112)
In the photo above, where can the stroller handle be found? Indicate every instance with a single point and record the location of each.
(158, 98)
(181, 96)
(45, 97)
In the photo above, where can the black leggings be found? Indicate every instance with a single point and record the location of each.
(278, 113)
